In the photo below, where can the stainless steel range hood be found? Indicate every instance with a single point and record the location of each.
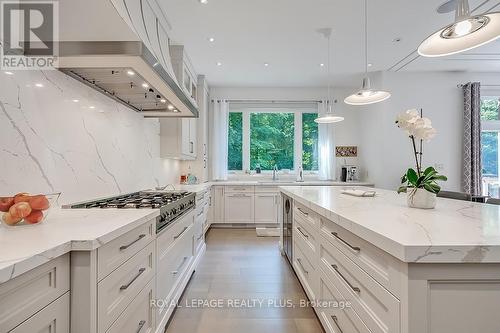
(127, 72)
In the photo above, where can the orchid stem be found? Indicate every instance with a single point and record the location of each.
(416, 154)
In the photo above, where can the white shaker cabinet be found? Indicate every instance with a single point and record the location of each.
(178, 138)
(239, 207)
(54, 318)
(266, 207)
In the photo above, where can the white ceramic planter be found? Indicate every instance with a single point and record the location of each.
(421, 198)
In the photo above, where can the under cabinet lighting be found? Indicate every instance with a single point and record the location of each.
(145, 85)
(39, 85)
(9, 73)
(322, 65)
(131, 73)
(266, 64)
(170, 107)
(76, 100)
(219, 64)
(211, 39)
(163, 100)
(203, 1)
(91, 107)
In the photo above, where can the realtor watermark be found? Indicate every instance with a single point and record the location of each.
(249, 303)
(29, 34)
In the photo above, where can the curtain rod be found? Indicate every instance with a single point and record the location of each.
(482, 85)
(269, 101)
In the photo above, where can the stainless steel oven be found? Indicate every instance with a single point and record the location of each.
(287, 226)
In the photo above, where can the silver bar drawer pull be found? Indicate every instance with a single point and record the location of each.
(302, 211)
(124, 247)
(302, 266)
(179, 235)
(355, 248)
(179, 268)
(125, 286)
(303, 234)
(200, 213)
(141, 325)
(356, 289)
(336, 321)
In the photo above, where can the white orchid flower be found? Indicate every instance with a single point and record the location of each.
(407, 119)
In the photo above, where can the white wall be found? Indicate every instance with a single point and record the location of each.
(346, 132)
(386, 151)
(50, 143)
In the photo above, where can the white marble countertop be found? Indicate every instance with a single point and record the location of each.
(454, 232)
(26, 247)
(204, 186)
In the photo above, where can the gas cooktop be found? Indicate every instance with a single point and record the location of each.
(172, 204)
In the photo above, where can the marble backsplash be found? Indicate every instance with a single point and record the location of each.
(57, 135)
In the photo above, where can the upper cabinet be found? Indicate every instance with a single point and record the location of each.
(184, 71)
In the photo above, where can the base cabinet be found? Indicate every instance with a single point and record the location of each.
(239, 207)
(266, 207)
(54, 318)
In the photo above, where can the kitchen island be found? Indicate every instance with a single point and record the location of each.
(401, 269)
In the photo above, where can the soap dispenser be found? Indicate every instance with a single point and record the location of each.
(300, 175)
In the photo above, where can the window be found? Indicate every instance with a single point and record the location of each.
(271, 140)
(309, 141)
(490, 139)
(264, 138)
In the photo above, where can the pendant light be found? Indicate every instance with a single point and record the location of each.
(366, 95)
(466, 33)
(328, 117)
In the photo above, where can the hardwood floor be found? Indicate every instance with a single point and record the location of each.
(239, 266)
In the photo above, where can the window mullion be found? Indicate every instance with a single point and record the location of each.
(246, 140)
(297, 141)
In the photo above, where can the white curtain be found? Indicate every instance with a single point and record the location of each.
(326, 143)
(220, 120)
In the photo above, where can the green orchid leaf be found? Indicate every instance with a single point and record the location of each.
(402, 189)
(412, 176)
(428, 170)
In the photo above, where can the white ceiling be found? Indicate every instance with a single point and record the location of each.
(283, 33)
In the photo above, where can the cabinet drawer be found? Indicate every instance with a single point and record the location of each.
(175, 231)
(267, 189)
(337, 316)
(139, 316)
(119, 250)
(377, 308)
(26, 294)
(305, 271)
(304, 213)
(380, 265)
(118, 289)
(54, 318)
(172, 265)
(307, 242)
(236, 188)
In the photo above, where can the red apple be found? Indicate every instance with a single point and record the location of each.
(6, 203)
(39, 202)
(22, 197)
(8, 219)
(35, 217)
(20, 210)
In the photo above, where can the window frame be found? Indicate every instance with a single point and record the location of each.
(297, 137)
(491, 126)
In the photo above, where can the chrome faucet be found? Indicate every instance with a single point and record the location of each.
(275, 172)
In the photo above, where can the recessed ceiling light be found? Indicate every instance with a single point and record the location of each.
(322, 65)
(170, 107)
(203, 1)
(175, 110)
(9, 73)
(91, 107)
(163, 100)
(145, 85)
(129, 72)
(39, 85)
(266, 64)
(211, 39)
(219, 63)
(76, 100)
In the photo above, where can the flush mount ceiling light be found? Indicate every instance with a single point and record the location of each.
(366, 95)
(328, 117)
(466, 33)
